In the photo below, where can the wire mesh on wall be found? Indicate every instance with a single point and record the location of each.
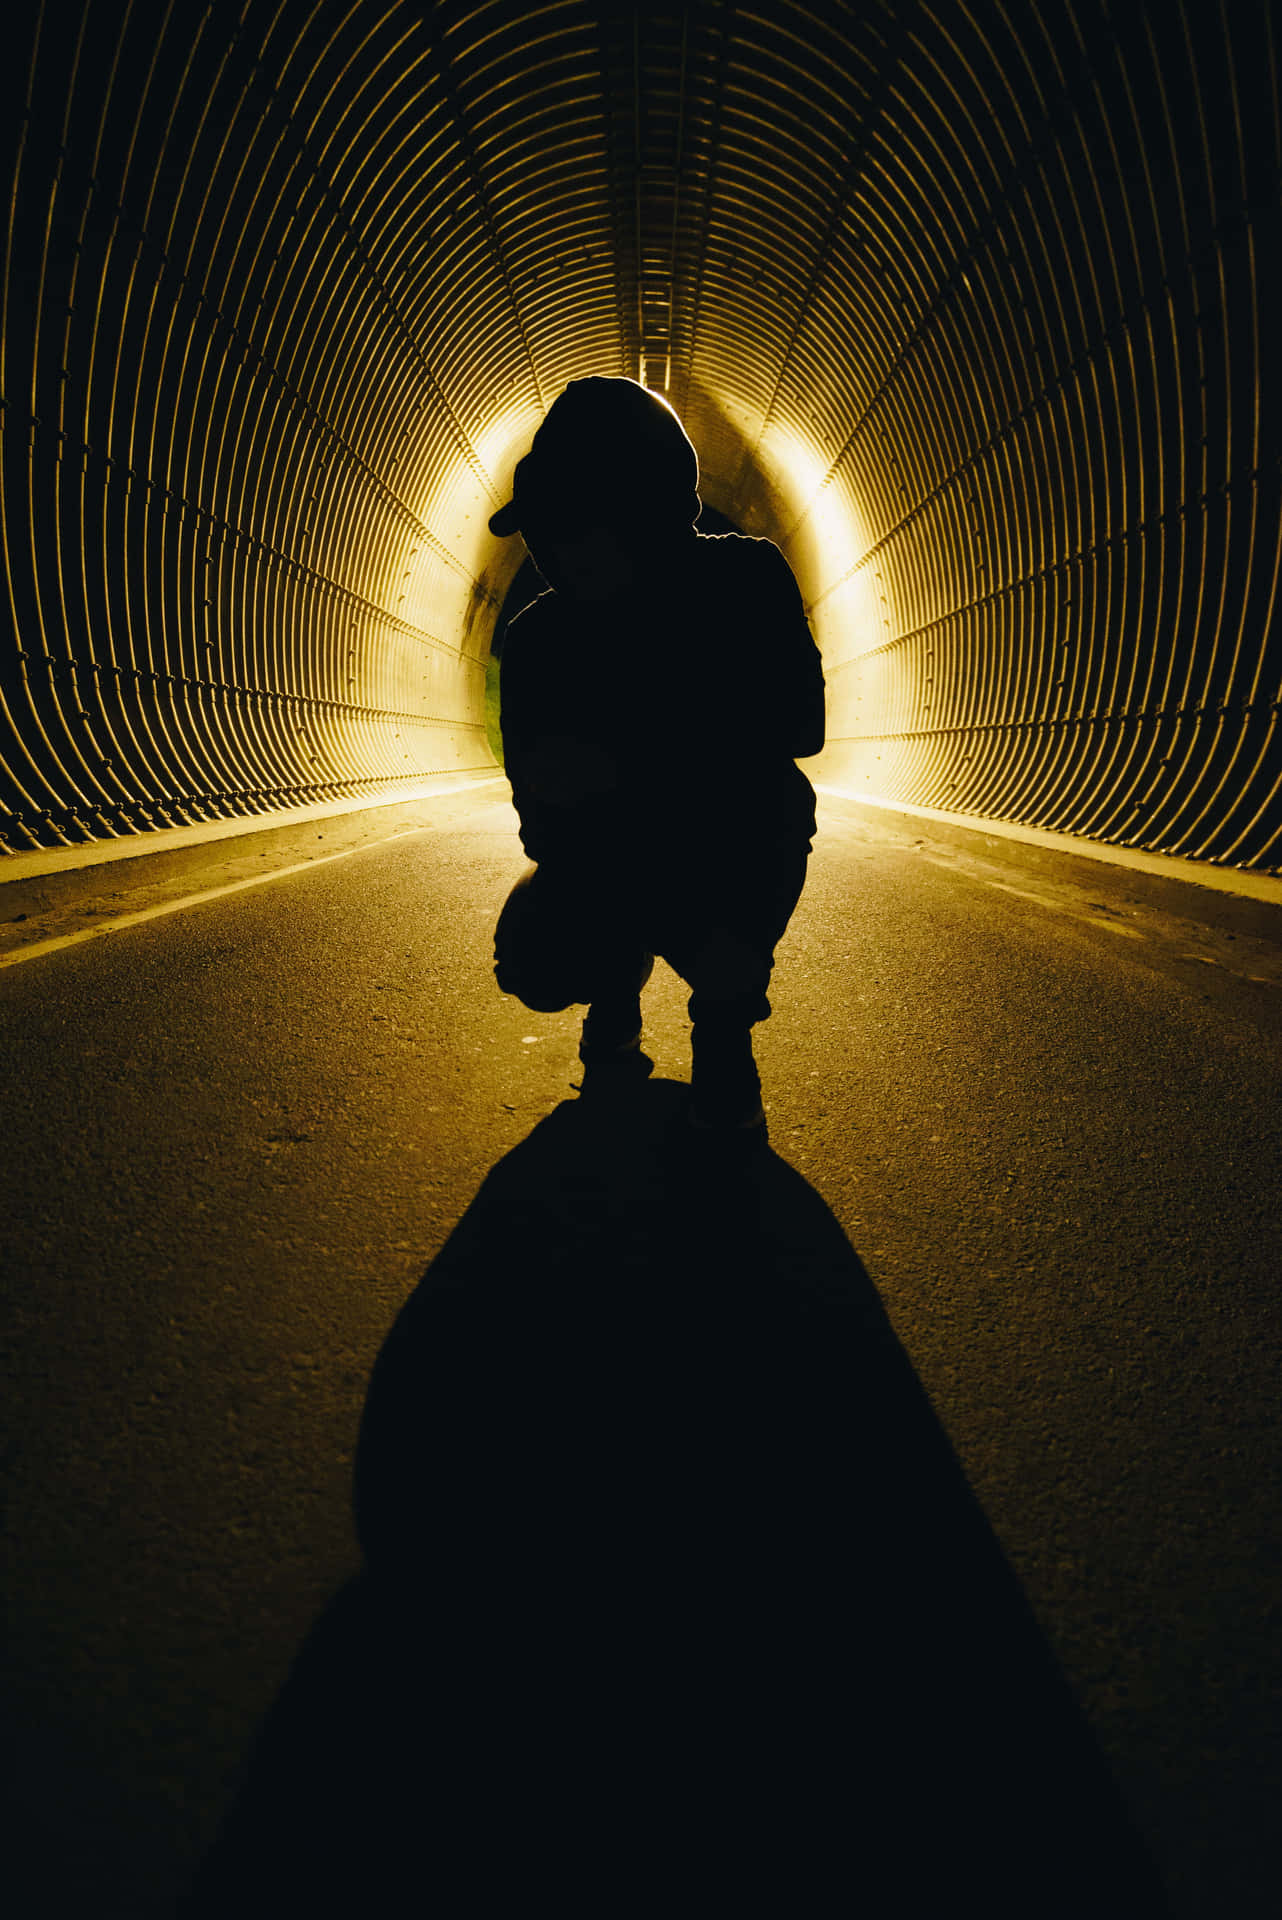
(968, 305)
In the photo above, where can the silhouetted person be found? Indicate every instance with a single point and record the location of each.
(654, 704)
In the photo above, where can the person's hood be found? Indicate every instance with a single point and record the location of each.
(608, 451)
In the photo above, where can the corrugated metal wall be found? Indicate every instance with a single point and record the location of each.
(970, 306)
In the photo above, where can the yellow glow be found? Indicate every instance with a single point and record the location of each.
(828, 536)
(418, 651)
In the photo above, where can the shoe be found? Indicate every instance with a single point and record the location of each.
(611, 1036)
(614, 1073)
(606, 1077)
(610, 1050)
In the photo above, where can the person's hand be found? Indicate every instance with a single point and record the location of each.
(562, 770)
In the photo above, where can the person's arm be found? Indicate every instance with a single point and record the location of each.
(554, 775)
(780, 679)
(520, 720)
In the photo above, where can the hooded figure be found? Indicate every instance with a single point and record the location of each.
(653, 705)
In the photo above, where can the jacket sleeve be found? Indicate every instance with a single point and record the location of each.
(781, 682)
(523, 698)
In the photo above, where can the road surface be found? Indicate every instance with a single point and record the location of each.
(1038, 1093)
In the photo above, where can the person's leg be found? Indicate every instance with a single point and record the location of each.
(536, 956)
(725, 1085)
(566, 938)
(725, 930)
(613, 1024)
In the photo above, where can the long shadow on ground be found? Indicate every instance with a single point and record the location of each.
(676, 1599)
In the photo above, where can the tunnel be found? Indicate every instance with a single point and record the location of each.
(328, 1268)
(966, 305)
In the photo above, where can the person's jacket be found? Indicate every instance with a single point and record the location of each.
(700, 691)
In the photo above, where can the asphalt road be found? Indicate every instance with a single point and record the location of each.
(1038, 1093)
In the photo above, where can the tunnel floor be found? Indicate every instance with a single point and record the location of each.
(1037, 1094)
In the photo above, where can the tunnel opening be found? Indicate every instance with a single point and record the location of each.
(966, 307)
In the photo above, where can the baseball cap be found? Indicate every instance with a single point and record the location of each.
(605, 443)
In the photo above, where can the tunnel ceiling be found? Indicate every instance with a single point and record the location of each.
(972, 307)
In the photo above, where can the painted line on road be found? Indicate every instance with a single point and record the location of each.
(116, 925)
(1248, 882)
(1060, 906)
(1051, 903)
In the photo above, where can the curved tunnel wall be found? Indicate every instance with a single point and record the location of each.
(970, 306)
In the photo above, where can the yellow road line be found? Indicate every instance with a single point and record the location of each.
(122, 920)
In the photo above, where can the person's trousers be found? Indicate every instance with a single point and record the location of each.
(573, 933)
